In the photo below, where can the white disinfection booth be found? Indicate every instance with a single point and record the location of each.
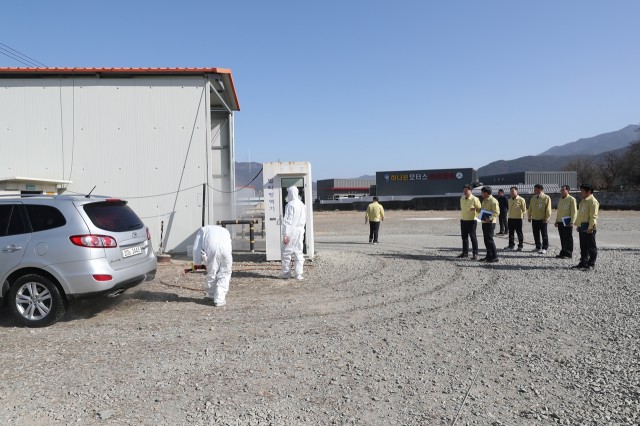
(276, 178)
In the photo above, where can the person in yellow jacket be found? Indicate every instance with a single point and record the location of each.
(469, 209)
(539, 214)
(374, 215)
(565, 218)
(517, 209)
(489, 216)
(586, 224)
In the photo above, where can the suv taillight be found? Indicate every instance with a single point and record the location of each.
(93, 241)
(148, 234)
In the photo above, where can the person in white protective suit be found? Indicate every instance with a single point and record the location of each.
(295, 218)
(212, 247)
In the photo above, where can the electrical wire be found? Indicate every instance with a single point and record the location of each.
(10, 55)
(166, 193)
(239, 189)
(21, 55)
(220, 128)
(180, 190)
(148, 196)
(186, 156)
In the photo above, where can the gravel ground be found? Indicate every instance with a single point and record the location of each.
(396, 333)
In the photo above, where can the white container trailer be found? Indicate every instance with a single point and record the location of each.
(161, 138)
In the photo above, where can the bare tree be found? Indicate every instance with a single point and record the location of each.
(609, 167)
(630, 166)
(586, 169)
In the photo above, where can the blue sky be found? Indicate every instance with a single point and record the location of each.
(357, 87)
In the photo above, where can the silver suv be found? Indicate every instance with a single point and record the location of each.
(56, 249)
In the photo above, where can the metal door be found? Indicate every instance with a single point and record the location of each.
(286, 183)
(15, 234)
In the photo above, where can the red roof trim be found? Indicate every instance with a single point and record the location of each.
(115, 70)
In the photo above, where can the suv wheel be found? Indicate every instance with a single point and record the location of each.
(35, 301)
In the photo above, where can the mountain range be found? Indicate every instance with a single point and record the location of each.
(250, 173)
(556, 158)
(598, 144)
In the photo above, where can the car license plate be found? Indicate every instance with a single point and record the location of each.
(132, 251)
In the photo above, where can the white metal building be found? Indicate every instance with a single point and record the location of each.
(162, 138)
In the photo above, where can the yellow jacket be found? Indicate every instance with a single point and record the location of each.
(375, 212)
(466, 204)
(517, 208)
(566, 207)
(588, 212)
(491, 204)
(540, 207)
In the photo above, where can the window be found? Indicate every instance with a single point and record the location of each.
(5, 215)
(44, 217)
(114, 216)
(12, 220)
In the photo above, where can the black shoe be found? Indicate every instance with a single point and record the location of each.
(579, 266)
(519, 249)
(484, 259)
(474, 257)
(559, 256)
(494, 260)
(462, 255)
(589, 268)
(564, 256)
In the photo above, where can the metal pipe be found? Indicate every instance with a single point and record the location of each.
(204, 194)
(249, 222)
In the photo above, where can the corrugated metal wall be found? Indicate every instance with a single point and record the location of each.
(560, 178)
(504, 179)
(145, 139)
(531, 178)
(327, 188)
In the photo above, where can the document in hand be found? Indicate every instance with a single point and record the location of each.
(566, 220)
(484, 214)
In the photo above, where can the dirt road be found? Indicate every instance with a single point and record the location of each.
(396, 333)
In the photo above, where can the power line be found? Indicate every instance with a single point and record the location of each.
(9, 55)
(239, 189)
(147, 196)
(22, 56)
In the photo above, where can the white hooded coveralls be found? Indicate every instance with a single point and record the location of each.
(212, 246)
(295, 218)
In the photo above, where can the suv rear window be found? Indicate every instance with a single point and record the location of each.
(44, 217)
(114, 216)
(12, 221)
